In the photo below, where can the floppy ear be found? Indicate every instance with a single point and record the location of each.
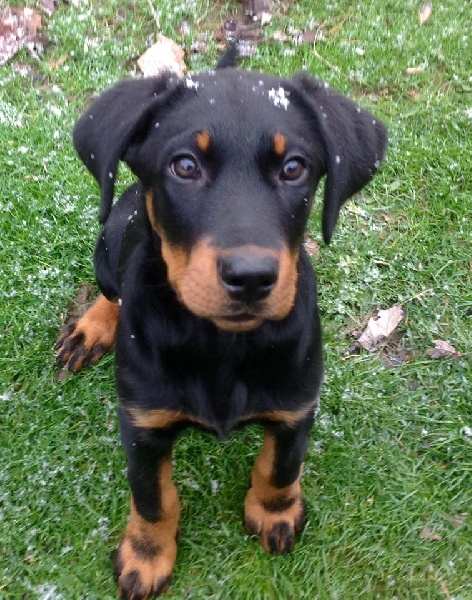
(103, 133)
(354, 142)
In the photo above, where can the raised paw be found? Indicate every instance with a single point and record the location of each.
(85, 341)
(275, 521)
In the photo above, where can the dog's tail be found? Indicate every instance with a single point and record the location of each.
(230, 56)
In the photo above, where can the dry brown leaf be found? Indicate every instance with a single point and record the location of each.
(48, 6)
(380, 327)
(266, 18)
(56, 63)
(19, 27)
(414, 70)
(279, 36)
(456, 520)
(255, 8)
(425, 12)
(312, 248)
(164, 55)
(442, 349)
(428, 533)
(415, 95)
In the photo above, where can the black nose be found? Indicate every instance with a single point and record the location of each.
(248, 277)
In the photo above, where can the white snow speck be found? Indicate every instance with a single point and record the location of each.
(120, 301)
(337, 159)
(279, 97)
(110, 175)
(191, 84)
(47, 592)
(56, 111)
(360, 51)
(23, 149)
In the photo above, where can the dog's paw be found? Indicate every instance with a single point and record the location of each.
(143, 571)
(276, 522)
(84, 342)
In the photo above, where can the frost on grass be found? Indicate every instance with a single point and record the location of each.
(46, 591)
(10, 115)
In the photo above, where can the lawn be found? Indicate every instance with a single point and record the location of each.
(388, 474)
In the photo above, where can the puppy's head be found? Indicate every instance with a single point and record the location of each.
(230, 162)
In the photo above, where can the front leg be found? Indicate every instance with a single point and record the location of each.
(274, 507)
(83, 342)
(145, 558)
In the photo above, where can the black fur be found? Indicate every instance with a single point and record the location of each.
(243, 195)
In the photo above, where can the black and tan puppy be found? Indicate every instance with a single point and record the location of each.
(207, 292)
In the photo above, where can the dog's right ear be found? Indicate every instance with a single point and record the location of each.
(104, 132)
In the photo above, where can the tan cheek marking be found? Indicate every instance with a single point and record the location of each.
(280, 144)
(203, 141)
(151, 213)
(199, 288)
(281, 301)
(176, 258)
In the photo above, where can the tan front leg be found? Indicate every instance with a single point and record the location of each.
(272, 512)
(84, 342)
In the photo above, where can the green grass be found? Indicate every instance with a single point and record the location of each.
(390, 458)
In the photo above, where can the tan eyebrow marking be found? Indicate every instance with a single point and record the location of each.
(280, 143)
(203, 140)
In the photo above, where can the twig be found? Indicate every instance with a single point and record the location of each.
(155, 16)
(318, 55)
(416, 297)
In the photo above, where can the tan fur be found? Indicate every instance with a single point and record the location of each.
(158, 538)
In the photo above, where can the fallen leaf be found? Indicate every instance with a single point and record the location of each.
(443, 349)
(83, 299)
(48, 6)
(19, 28)
(414, 70)
(379, 327)
(312, 248)
(456, 520)
(279, 36)
(256, 7)
(164, 55)
(444, 589)
(425, 12)
(428, 533)
(266, 18)
(56, 63)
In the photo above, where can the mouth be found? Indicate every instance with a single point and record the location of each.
(241, 318)
(238, 323)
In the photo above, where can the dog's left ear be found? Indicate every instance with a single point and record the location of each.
(353, 139)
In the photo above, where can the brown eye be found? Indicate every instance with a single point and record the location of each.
(185, 167)
(293, 170)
